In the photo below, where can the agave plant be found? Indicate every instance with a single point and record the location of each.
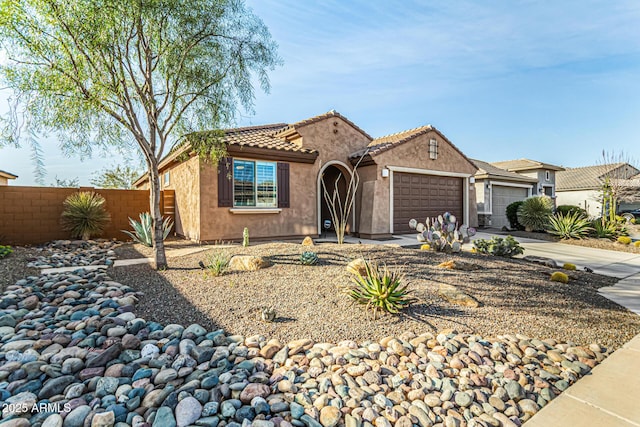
(380, 289)
(534, 213)
(217, 263)
(84, 214)
(142, 231)
(570, 226)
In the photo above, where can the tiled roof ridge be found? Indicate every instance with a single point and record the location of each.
(407, 131)
(607, 165)
(314, 119)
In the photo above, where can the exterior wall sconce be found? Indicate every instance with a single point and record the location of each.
(472, 180)
(385, 173)
(433, 149)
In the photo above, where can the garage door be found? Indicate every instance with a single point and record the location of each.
(501, 198)
(424, 196)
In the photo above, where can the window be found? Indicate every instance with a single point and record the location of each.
(254, 184)
(547, 176)
(433, 149)
(166, 179)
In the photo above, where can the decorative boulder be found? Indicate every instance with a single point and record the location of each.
(456, 296)
(357, 266)
(458, 265)
(248, 263)
(541, 260)
(308, 241)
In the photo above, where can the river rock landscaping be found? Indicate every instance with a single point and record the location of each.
(83, 348)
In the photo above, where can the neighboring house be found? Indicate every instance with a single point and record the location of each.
(543, 173)
(496, 189)
(582, 186)
(271, 181)
(5, 177)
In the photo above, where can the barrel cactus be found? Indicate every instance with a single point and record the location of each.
(442, 233)
(309, 258)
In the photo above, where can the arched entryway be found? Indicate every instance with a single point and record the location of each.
(330, 172)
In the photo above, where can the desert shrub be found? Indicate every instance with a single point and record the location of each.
(308, 258)
(569, 226)
(5, 250)
(569, 209)
(625, 240)
(534, 213)
(143, 232)
(606, 229)
(217, 263)
(497, 246)
(568, 266)
(512, 215)
(559, 276)
(84, 214)
(380, 289)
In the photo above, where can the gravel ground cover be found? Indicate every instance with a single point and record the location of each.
(516, 297)
(13, 267)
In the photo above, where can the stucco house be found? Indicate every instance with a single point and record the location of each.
(498, 184)
(582, 186)
(271, 180)
(5, 177)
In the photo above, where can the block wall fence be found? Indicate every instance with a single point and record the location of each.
(31, 215)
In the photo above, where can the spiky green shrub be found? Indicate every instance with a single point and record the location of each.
(567, 209)
(497, 246)
(624, 240)
(534, 213)
(570, 226)
(217, 263)
(380, 289)
(84, 214)
(512, 215)
(143, 232)
(5, 250)
(606, 229)
(308, 258)
(568, 266)
(559, 276)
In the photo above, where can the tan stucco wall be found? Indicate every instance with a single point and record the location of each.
(588, 200)
(413, 154)
(4, 181)
(184, 179)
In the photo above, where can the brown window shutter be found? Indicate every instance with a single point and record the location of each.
(225, 182)
(283, 185)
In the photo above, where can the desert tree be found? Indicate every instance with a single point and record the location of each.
(616, 184)
(102, 73)
(122, 177)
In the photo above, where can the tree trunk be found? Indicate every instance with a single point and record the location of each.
(156, 218)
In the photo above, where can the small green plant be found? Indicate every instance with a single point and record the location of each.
(84, 214)
(559, 276)
(142, 231)
(5, 250)
(380, 289)
(442, 233)
(497, 246)
(245, 237)
(569, 266)
(512, 215)
(568, 209)
(624, 240)
(572, 225)
(217, 263)
(606, 229)
(534, 213)
(308, 258)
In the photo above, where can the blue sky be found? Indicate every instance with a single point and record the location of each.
(553, 81)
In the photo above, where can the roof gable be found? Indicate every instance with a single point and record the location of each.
(7, 175)
(489, 171)
(290, 131)
(525, 165)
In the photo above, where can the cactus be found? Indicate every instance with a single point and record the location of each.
(559, 276)
(636, 243)
(442, 233)
(245, 237)
(309, 258)
(569, 266)
(268, 314)
(625, 240)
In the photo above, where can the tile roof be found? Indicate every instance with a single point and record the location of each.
(311, 120)
(489, 171)
(525, 164)
(585, 178)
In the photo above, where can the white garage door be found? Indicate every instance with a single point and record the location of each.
(501, 197)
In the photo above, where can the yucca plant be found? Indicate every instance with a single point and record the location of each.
(84, 214)
(570, 226)
(142, 231)
(217, 263)
(380, 289)
(534, 213)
